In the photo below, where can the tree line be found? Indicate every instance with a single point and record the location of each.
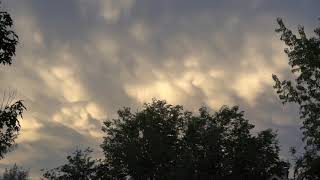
(164, 141)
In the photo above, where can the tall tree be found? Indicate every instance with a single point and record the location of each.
(145, 145)
(80, 166)
(15, 173)
(304, 58)
(164, 142)
(9, 112)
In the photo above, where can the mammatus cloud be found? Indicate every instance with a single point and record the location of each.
(70, 89)
(247, 80)
(110, 10)
(81, 117)
(256, 68)
(29, 133)
(77, 66)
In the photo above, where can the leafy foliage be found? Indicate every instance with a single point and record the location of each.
(146, 144)
(80, 166)
(9, 126)
(9, 114)
(8, 39)
(164, 142)
(15, 173)
(304, 59)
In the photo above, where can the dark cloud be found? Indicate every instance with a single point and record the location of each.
(79, 61)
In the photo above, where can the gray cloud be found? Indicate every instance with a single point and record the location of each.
(79, 61)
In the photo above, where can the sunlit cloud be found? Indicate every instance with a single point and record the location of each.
(256, 70)
(119, 53)
(159, 90)
(81, 117)
(29, 131)
(61, 80)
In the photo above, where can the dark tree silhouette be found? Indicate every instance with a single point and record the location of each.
(8, 38)
(80, 166)
(146, 144)
(9, 126)
(9, 113)
(15, 173)
(164, 142)
(220, 146)
(304, 90)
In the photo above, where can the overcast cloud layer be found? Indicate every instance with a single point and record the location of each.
(79, 61)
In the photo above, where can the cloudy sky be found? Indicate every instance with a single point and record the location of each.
(79, 61)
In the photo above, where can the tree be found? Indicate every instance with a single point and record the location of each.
(145, 145)
(15, 173)
(9, 113)
(304, 90)
(164, 142)
(220, 146)
(80, 166)
(9, 126)
(8, 39)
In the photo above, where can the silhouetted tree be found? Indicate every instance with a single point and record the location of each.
(304, 90)
(15, 173)
(9, 126)
(220, 146)
(145, 145)
(80, 166)
(9, 113)
(164, 142)
(8, 38)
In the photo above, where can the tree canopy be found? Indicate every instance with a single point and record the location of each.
(9, 112)
(9, 126)
(80, 166)
(304, 58)
(15, 173)
(162, 141)
(8, 38)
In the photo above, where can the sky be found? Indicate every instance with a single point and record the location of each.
(79, 61)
